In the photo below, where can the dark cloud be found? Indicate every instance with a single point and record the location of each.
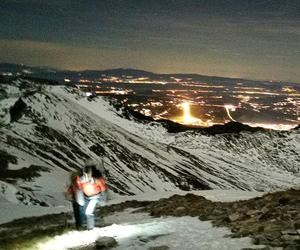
(250, 38)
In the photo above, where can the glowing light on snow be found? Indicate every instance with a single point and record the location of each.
(174, 231)
(84, 238)
(228, 108)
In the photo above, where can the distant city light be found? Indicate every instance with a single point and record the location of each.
(188, 119)
(229, 108)
(146, 112)
(175, 102)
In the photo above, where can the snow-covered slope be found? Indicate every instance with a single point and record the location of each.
(59, 129)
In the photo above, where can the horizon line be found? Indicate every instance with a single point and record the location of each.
(137, 69)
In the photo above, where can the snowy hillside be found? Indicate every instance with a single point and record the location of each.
(53, 130)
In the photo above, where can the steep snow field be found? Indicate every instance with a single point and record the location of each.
(60, 129)
(272, 157)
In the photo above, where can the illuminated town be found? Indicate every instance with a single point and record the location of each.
(191, 102)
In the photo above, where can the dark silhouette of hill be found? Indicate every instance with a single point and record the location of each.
(118, 72)
(60, 75)
(174, 127)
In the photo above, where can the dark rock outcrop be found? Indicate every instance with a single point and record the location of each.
(17, 110)
(105, 242)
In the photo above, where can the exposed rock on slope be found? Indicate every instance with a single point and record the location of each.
(273, 219)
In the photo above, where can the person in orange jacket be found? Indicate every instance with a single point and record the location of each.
(93, 187)
(76, 197)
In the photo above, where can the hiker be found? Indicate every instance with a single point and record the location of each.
(93, 187)
(76, 196)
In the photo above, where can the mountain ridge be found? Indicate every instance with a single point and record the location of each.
(60, 74)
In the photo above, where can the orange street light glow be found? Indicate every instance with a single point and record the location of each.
(228, 108)
(187, 118)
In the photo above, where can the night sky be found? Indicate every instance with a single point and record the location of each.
(255, 39)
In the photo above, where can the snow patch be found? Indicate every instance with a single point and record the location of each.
(140, 231)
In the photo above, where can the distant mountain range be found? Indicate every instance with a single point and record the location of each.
(75, 76)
